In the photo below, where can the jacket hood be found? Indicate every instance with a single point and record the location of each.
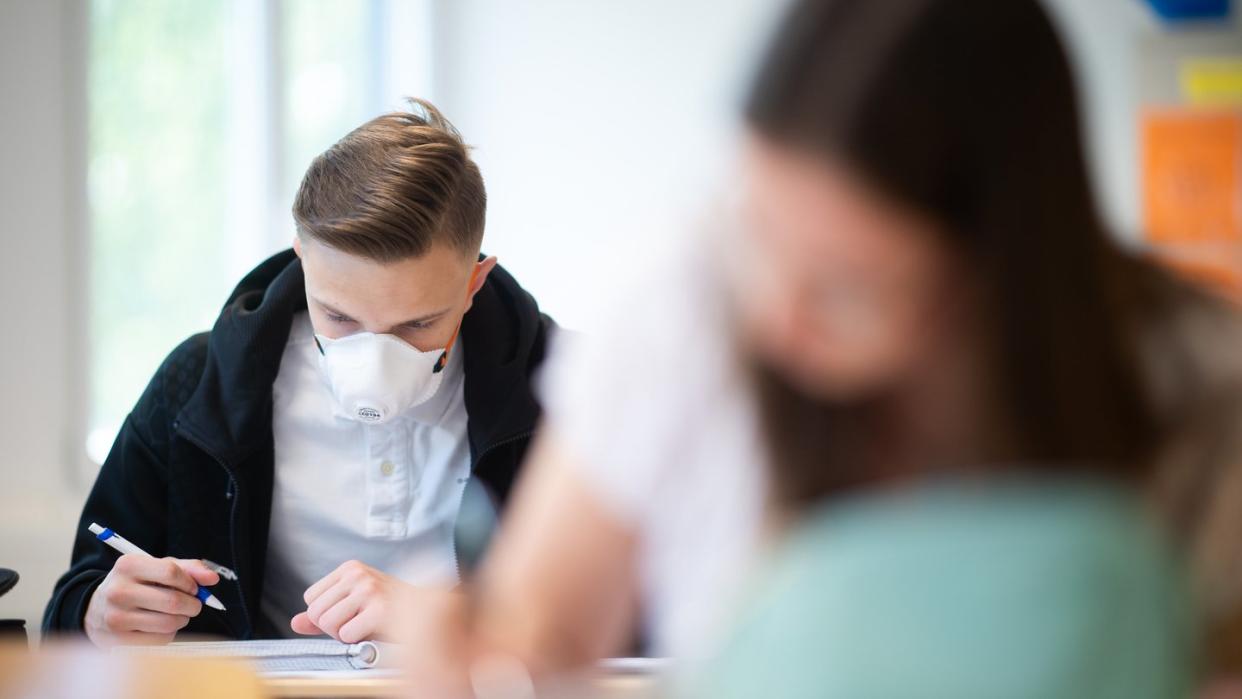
(230, 411)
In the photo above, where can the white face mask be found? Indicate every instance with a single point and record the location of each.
(375, 378)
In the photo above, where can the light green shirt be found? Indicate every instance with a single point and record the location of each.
(964, 591)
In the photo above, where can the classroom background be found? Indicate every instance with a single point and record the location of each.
(150, 151)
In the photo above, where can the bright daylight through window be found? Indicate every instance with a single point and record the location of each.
(202, 117)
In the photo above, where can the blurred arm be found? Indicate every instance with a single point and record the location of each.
(558, 589)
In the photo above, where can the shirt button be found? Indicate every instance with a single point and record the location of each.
(387, 468)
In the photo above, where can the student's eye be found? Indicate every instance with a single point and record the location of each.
(337, 318)
(420, 326)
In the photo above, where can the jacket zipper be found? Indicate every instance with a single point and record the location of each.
(235, 489)
(478, 460)
(496, 445)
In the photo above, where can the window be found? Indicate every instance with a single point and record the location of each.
(201, 118)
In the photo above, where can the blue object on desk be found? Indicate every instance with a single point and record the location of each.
(1182, 10)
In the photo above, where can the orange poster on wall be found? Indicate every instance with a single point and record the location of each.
(1192, 175)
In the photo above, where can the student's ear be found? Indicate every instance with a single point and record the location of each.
(297, 245)
(483, 268)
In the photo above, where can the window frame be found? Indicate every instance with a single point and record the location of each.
(400, 61)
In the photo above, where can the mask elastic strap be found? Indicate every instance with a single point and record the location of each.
(443, 360)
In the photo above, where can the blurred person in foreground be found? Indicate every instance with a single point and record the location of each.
(922, 289)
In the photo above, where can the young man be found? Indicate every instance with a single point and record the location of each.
(318, 441)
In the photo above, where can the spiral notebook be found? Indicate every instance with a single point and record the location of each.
(280, 656)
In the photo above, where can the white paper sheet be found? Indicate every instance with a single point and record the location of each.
(293, 655)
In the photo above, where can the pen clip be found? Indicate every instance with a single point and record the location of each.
(226, 573)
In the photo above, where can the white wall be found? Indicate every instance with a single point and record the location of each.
(39, 393)
(595, 125)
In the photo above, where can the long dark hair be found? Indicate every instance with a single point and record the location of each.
(965, 110)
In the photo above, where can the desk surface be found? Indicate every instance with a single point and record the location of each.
(335, 687)
(603, 687)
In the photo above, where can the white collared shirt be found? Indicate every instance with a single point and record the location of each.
(386, 495)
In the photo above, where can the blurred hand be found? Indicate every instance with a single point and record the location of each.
(352, 603)
(145, 600)
(434, 632)
(445, 658)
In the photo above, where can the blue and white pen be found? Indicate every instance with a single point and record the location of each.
(123, 545)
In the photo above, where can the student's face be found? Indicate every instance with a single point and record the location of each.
(837, 288)
(420, 300)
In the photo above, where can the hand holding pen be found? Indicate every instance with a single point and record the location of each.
(146, 600)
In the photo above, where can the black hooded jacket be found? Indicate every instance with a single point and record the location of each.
(191, 472)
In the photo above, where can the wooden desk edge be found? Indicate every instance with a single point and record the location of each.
(332, 687)
(315, 687)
